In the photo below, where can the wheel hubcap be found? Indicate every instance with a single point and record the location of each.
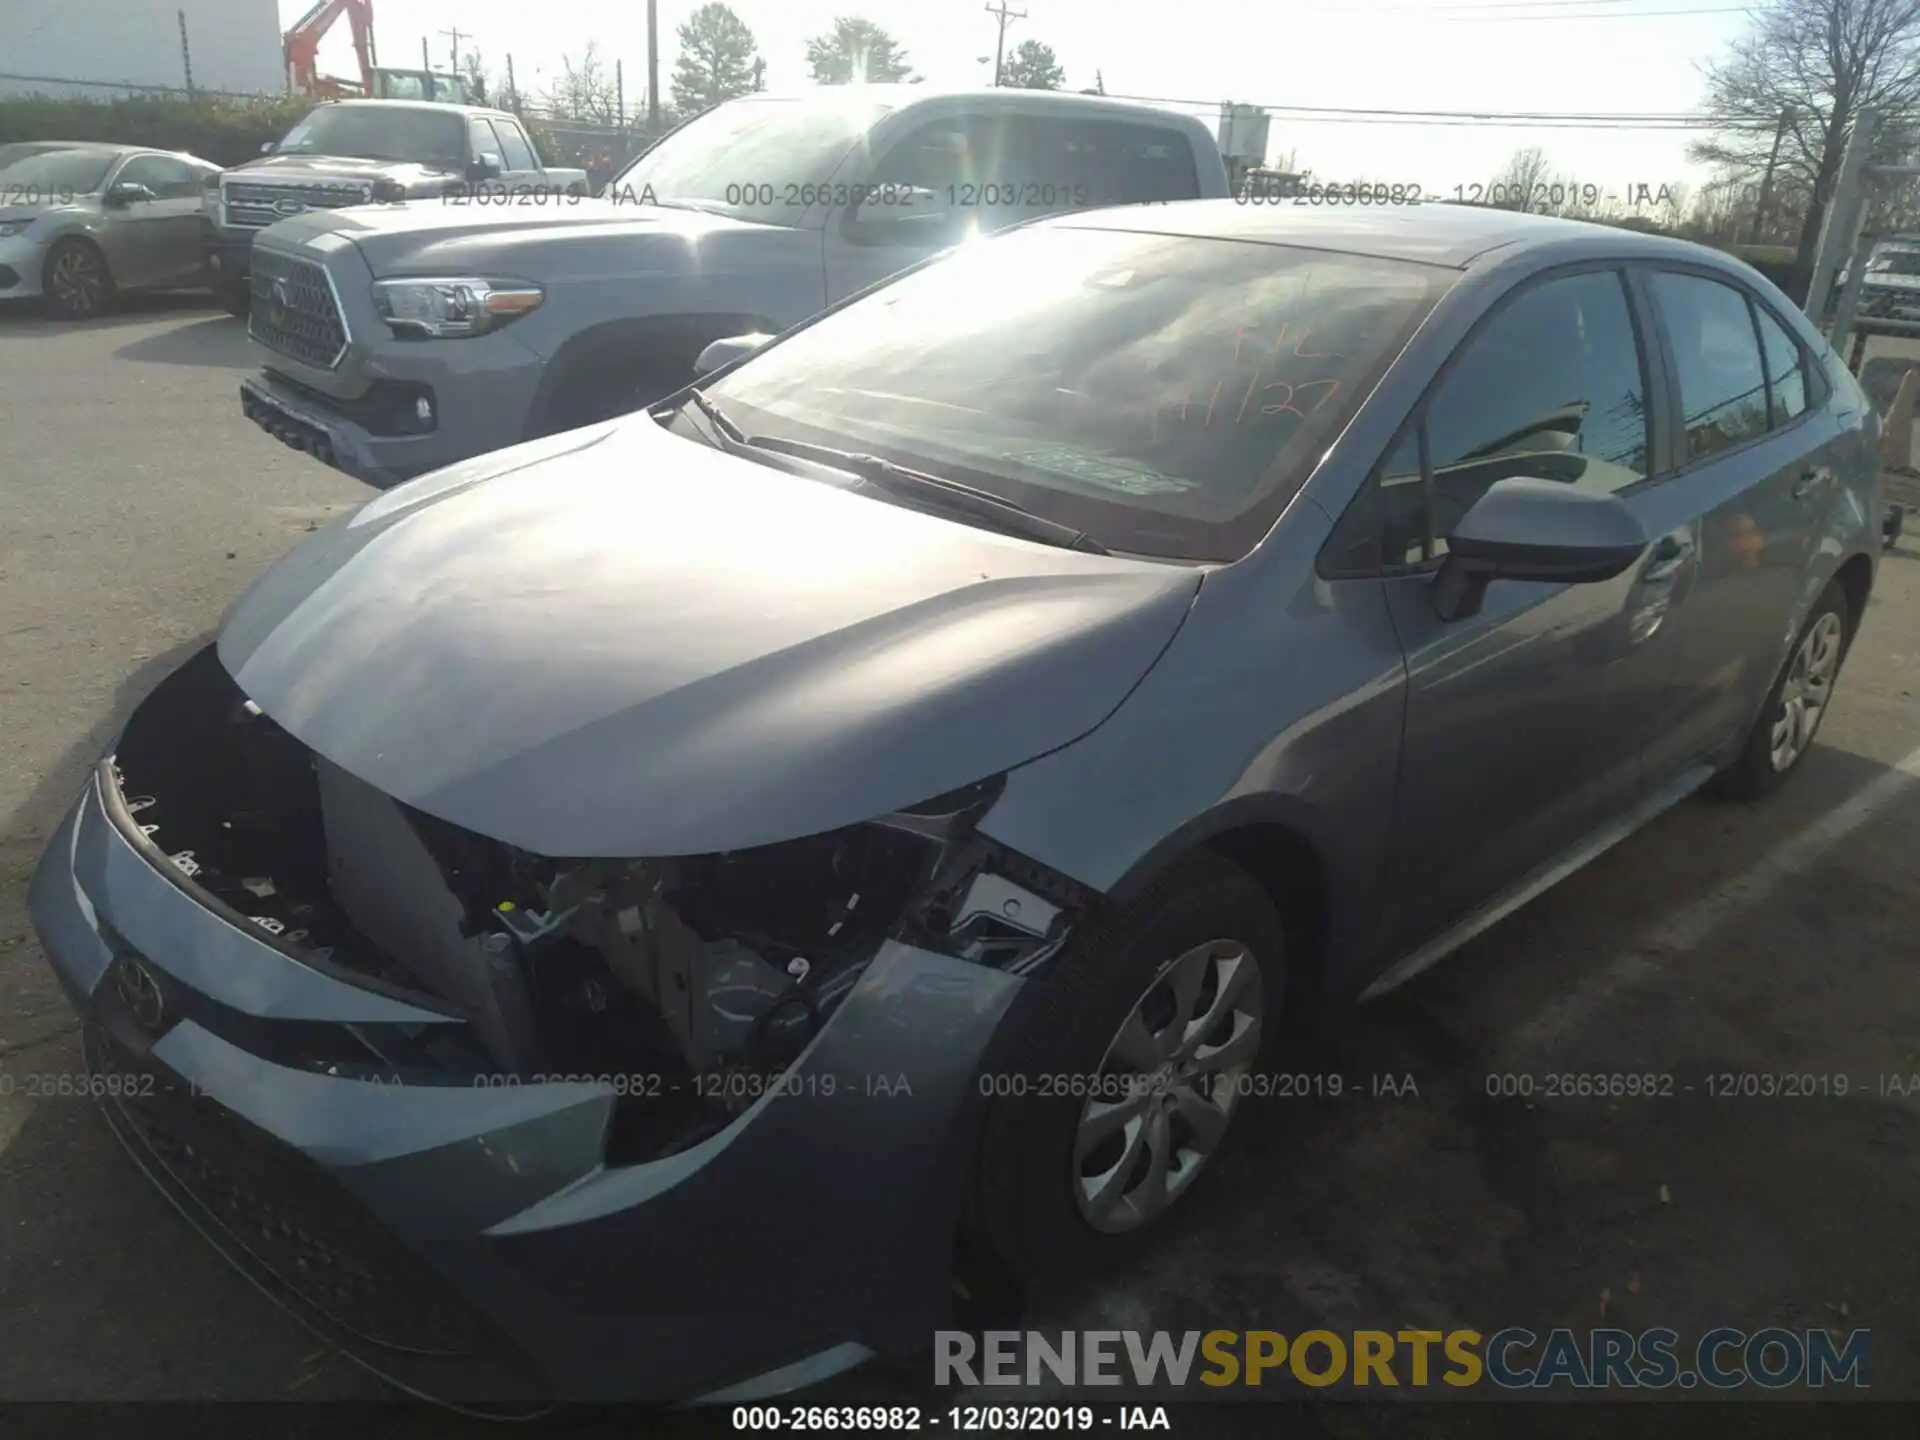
(1167, 1086)
(76, 280)
(1803, 699)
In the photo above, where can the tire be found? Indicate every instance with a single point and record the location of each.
(1890, 528)
(1770, 753)
(1028, 1205)
(75, 282)
(589, 398)
(233, 296)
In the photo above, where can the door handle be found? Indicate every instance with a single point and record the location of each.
(1818, 477)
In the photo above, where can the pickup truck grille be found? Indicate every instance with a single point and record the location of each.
(294, 310)
(251, 205)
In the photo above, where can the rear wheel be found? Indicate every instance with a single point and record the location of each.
(1796, 705)
(1157, 1016)
(76, 282)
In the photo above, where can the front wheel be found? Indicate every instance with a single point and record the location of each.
(1155, 1017)
(1796, 705)
(76, 282)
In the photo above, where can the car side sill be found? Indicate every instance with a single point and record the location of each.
(1539, 881)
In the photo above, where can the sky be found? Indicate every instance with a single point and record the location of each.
(1557, 56)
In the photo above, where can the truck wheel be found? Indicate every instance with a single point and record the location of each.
(233, 296)
(76, 283)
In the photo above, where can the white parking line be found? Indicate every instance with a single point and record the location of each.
(1689, 928)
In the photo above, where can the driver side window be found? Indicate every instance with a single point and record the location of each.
(1551, 387)
(167, 178)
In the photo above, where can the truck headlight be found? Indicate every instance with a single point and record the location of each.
(11, 228)
(446, 309)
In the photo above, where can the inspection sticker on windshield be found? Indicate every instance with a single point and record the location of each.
(1079, 465)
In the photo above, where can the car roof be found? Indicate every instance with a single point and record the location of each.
(899, 97)
(437, 106)
(1432, 234)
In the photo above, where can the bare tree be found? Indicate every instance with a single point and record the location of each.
(473, 71)
(1809, 67)
(1517, 185)
(587, 91)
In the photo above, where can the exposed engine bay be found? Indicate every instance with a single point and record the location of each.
(688, 967)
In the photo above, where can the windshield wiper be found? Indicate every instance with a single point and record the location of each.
(718, 418)
(963, 499)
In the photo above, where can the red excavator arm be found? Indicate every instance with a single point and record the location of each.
(302, 47)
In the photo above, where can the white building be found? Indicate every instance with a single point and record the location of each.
(103, 48)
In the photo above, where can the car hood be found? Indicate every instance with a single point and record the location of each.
(603, 233)
(301, 169)
(619, 642)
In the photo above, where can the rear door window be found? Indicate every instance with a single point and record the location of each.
(1723, 388)
(1131, 164)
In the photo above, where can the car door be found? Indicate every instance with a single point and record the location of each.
(157, 241)
(1754, 475)
(523, 172)
(1520, 737)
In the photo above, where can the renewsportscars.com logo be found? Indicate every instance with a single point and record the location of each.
(1509, 1359)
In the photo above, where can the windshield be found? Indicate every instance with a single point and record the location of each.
(54, 175)
(1166, 395)
(381, 132)
(750, 157)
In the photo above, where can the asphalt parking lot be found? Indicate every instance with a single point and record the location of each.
(135, 503)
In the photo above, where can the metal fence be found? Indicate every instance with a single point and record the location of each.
(22, 87)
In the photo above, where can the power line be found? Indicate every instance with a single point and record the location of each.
(1630, 118)
(1530, 12)
(1518, 5)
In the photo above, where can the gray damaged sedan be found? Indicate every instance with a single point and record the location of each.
(82, 224)
(616, 917)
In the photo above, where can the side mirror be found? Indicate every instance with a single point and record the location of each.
(266, 147)
(1528, 529)
(722, 353)
(487, 166)
(126, 193)
(904, 215)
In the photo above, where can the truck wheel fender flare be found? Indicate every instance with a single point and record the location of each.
(663, 339)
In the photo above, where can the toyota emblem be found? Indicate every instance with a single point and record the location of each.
(140, 992)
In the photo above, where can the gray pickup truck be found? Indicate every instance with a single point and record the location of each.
(400, 338)
(356, 152)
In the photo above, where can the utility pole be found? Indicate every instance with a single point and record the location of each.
(186, 52)
(1004, 15)
(456, 37)
(1765, 202)
(653, 67)
(1845, 218)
